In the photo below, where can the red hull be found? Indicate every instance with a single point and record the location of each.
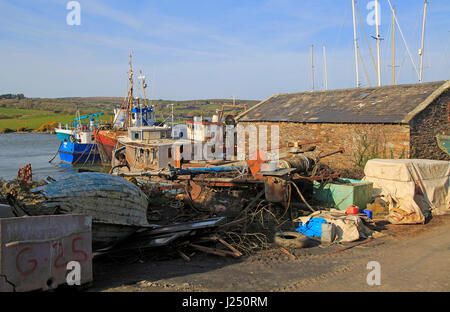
(107, 142)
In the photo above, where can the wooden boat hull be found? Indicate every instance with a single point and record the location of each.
(443, 142)
(107, 142)
(117, 206)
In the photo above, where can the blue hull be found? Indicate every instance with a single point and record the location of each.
(78, 153)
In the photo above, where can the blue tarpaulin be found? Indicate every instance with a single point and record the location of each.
(312, 228)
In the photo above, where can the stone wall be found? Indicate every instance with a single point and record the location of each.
(360, 141)
(426, 125)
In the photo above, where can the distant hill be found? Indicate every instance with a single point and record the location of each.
(12, 96)
(91, 105)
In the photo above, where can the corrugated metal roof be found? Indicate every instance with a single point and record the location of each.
(387, 104)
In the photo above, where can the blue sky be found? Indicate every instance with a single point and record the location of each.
(197, 49)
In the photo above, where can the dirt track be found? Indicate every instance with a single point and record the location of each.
(412, 258)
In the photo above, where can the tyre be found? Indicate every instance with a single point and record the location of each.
(291, 240)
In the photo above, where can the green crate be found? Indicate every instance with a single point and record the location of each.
(341, 195)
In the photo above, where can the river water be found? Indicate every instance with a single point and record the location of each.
(19, 149)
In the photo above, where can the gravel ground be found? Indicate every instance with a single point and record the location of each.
(412, 258)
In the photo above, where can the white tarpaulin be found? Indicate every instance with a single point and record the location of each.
(348, 227)
(414, 188)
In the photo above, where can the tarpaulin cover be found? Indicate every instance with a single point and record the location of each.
(348, 227)
(414, 188)
(312, 228)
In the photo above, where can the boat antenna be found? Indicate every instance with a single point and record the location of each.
(172, 113)
(144, 85)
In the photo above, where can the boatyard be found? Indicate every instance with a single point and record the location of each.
(233, 207)
(327, 189)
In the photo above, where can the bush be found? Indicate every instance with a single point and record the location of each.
(22, 129)
(48, 127)
(6, 130)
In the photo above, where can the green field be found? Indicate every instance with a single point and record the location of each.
(32, 113)
(14, 118)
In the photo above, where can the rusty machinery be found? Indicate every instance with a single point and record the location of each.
(292, 169)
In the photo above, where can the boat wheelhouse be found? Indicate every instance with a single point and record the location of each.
(150, 148)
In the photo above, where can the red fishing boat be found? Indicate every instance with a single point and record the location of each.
(132, 113)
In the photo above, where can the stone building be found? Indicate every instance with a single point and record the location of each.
(380, 122)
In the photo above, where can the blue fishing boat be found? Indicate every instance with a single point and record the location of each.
(78, 144)
(78, 153)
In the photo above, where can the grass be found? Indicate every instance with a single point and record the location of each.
(31, 113)
(32, 119)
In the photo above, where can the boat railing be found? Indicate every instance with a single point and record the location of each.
(78, 126)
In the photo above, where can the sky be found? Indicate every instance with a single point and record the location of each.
(203, 49)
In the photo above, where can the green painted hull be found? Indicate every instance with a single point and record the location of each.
(444, 142)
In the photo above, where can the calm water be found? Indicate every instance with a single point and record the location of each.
(19, 149)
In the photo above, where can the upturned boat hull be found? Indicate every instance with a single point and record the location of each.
(117, 207)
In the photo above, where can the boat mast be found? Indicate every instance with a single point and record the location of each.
(325, 68)
(130, 94)
(312, 68)
(356, 45)
(377, 24)
(393, 46)
(423, 38)
(144, 86)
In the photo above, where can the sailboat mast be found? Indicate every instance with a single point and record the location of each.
(423, 39)
(312, 68)
(377, 16)
(393, 46)
(356, 45)
(325, 68)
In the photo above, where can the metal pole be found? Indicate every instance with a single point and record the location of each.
(312, 67)
(325, 68)
(356, 45)
(377, 16)
(423, 39)
(393, 46)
